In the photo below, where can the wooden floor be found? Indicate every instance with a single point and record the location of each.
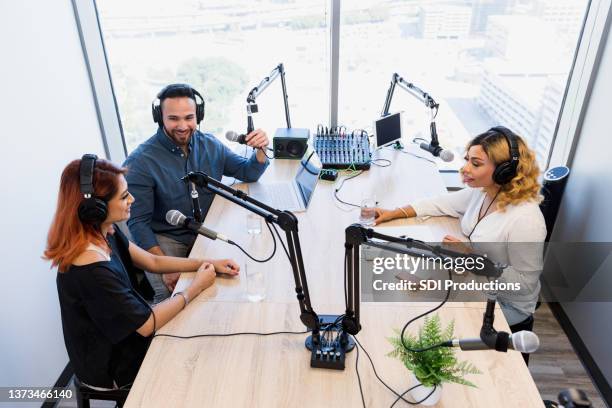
(555, 366)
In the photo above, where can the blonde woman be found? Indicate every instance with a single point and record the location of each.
(500, 204)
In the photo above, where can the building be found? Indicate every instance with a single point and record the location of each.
(444, 21)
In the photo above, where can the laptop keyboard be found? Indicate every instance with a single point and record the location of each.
(279, 196)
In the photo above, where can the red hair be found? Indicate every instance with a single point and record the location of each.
(68, 235)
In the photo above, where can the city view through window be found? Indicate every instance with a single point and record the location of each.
(486, 62)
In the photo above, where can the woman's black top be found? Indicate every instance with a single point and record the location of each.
(102, 305)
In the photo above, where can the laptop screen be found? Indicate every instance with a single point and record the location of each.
(307, 176)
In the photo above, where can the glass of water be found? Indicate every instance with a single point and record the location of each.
(253, 224)
(367, 212)
(255, 282)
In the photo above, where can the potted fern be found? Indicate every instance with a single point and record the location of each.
(431, 368)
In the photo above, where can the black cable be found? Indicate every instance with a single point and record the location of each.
(228, 334)
(266, 154)
(344, 202)
(247, 254)
(374, 369)
(282, 243)
(450, 276)
(410, 389)
(336, 190)
(402, 395)
(305, 165)
(399, 396)
(359, 378)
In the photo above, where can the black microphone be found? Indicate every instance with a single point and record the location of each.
(175, 217)
(437, 151)
(523, 341)
(235, 137)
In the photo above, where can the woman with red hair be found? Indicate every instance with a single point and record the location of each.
(106, 319)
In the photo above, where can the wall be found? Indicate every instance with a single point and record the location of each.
(48, 118)
(585, 214)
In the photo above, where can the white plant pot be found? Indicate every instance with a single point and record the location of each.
(421, 392)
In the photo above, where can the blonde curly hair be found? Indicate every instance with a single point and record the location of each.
(524, 186)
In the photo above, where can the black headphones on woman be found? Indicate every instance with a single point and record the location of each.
(92, 210)
(188, 90)
(506, 171)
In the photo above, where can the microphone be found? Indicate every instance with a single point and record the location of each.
(523, 341)
(175, 217)
(437, 151)
(235, 137)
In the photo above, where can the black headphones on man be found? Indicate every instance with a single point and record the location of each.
(92, 210)
(156, 104)
(506, 171)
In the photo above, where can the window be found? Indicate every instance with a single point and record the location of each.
(223, 49)
(486, 62)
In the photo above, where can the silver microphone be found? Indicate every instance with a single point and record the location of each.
(437, 151)
(175, 217)
(523, 341)
(235, 137)
(447, 155)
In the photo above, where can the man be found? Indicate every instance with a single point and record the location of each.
(156, 166)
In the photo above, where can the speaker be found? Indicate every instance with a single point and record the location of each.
(555, 180)
(290, 143)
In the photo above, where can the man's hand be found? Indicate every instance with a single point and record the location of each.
(170, 280)
(226, 266)
(258, 139)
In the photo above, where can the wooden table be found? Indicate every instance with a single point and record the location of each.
(274, 371)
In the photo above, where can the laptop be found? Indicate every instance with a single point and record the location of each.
(293, 196)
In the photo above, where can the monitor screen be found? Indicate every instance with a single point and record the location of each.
(308, 175)
(388, 129)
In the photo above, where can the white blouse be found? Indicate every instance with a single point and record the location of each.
(520, 226)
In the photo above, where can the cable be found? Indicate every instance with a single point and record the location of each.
(337, 204)
(399, 396)
(266, 154)
(247, 254)
(359, 378)
(305, 165)
(417, 156)
(282, 243)
(229, 334)
(336, 190)
(450, 276)
(388, 162)
(410, 389)
(344, 202)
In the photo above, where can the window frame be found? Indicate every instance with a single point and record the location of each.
(590, 45)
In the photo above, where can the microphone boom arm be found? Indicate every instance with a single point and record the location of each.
(279, 70)
(357, 235)
(419, 94)
(288, 223)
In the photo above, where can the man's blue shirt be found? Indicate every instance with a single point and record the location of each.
(154, 176)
